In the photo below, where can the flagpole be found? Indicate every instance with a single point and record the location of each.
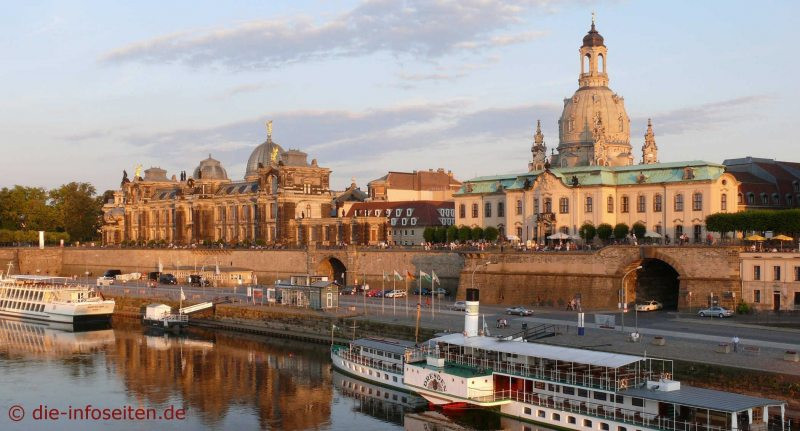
(407, 292)
(383, 290)
(394, 295)
(433, 296)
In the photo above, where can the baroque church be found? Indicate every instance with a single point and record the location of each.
(591, 177)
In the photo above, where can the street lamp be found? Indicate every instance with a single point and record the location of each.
(623, 296)
(472, 283)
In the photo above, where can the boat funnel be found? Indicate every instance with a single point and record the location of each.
(471, 313)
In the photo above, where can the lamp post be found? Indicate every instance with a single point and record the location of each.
(472, 283)
(623, 296)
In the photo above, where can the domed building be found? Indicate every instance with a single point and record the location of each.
(283, 199)
(594, 128)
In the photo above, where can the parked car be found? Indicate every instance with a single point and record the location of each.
(439, 291)
(105, 281)
(519, 310)
(373, 293)
(396, 294)
(198, 280)
(715, 311)
(651, 305)
(459, 306)
(347, 290)
(153, 276)
(113, 273)
(167, 279)
(424, 291)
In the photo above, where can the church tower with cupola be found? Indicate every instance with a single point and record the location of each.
(594, 128)
(538, 150)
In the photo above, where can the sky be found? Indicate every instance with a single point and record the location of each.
(364, 87)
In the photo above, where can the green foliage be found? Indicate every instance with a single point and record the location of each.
(477, 233)
(639, 230)
(464, 233)
(743, 308)
(429, 234)
(778, 221)
(452, 233)
(491, 234)
(587, 232)
(621, 230)
(8, 237)
(440, 235)
(604, 231)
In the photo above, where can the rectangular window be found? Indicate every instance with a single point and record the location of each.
(541, 413)
(637, 402)
(600, 396)
(556, 417)
(474, 210)
(462, 211)
(571, 419)
(604, 426)
(527, 410)
(776, 272)
(641, 203)
(697, 202)
(723, 202)
(797, 273)
(583, 393)
(568, 390)
(587, 423)
(563, 206)
(620, 399)
(589, 206)
(539, 385)
(658, 201)
(610, 205)
(757, 272)
(487, 210)
(757, 296)
(624, 204)
(501, 210)
(679, 202)
(519, 207)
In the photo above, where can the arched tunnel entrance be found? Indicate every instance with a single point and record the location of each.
(657, 280)
(334, 269)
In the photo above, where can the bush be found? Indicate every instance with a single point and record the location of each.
(452, 233)
(621, 231)
(587, 232)
(604, 231)
(639, 230)
(440, 234)
(491, 233)
(477, 233)
(743, 308)
(464, 233)
(428, 234)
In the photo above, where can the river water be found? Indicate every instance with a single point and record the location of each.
(133, 380)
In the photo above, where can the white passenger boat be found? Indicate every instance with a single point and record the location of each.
(576, 389)
(52, 299)
(377, 360)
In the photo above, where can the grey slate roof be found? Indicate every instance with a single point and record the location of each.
(703, 398)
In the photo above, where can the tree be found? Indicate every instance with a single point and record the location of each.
(452, 233)
(587, 232)
(491, 234)
(78, 210)
(621, 230)
(440, 235)
(429, 234)
(477, 233)
(604, 231)
(464, 233)
(26, 208)
(639, 230)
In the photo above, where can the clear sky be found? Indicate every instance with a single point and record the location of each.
(92, 88)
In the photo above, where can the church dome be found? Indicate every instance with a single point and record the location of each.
(210, 169)
(593, 38)
(262, 154)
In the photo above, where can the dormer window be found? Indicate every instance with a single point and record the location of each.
(688, 173)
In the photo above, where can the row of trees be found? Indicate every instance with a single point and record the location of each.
(604, 231)
(72, 208)
(779, 221)
(31, 236)
(443, 234)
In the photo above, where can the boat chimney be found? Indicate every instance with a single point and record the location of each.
(471, 313)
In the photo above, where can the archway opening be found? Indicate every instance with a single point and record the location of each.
(657, 280)
(334, 269)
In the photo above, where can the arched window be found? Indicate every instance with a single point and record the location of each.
(764, 199)
(796, 186)
(697, 202)
(776, 199)
(679, 202)
(610, 205)
(519, 206)
(751, 198)
(588, 205)
(586, 67)
(519, 232)
(788, 200)
(601, 63)
(563, 206)
(723, 202)
(658, 202)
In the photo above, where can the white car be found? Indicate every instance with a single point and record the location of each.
(459, 306)
(649, 306)
(105, 281)
(440, 291)
(395, 294)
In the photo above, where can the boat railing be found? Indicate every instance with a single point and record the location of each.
(576, 378)
(177, 317)
(347, 355)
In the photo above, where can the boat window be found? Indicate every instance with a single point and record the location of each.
(620, 399)
(638, 402)
(538, 385)
(622, 429)
(604, 426)
(583, 393)
(587, 423)
(541, 413)
(556, 417)
(571, 419)
(600, 396)
(527, 410)
(569, 390)
(394, 378)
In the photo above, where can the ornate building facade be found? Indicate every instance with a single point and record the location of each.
(280, 194)
(592, 178)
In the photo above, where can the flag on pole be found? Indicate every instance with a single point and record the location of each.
(183, 296)
(385, 276)
(398, 276)
(424, 275)
(409, 275)
(435, 278)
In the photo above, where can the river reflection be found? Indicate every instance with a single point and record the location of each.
(222, 380)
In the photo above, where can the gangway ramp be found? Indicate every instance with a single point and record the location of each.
(203, 305)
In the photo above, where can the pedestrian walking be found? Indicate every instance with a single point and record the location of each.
(735, 343)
